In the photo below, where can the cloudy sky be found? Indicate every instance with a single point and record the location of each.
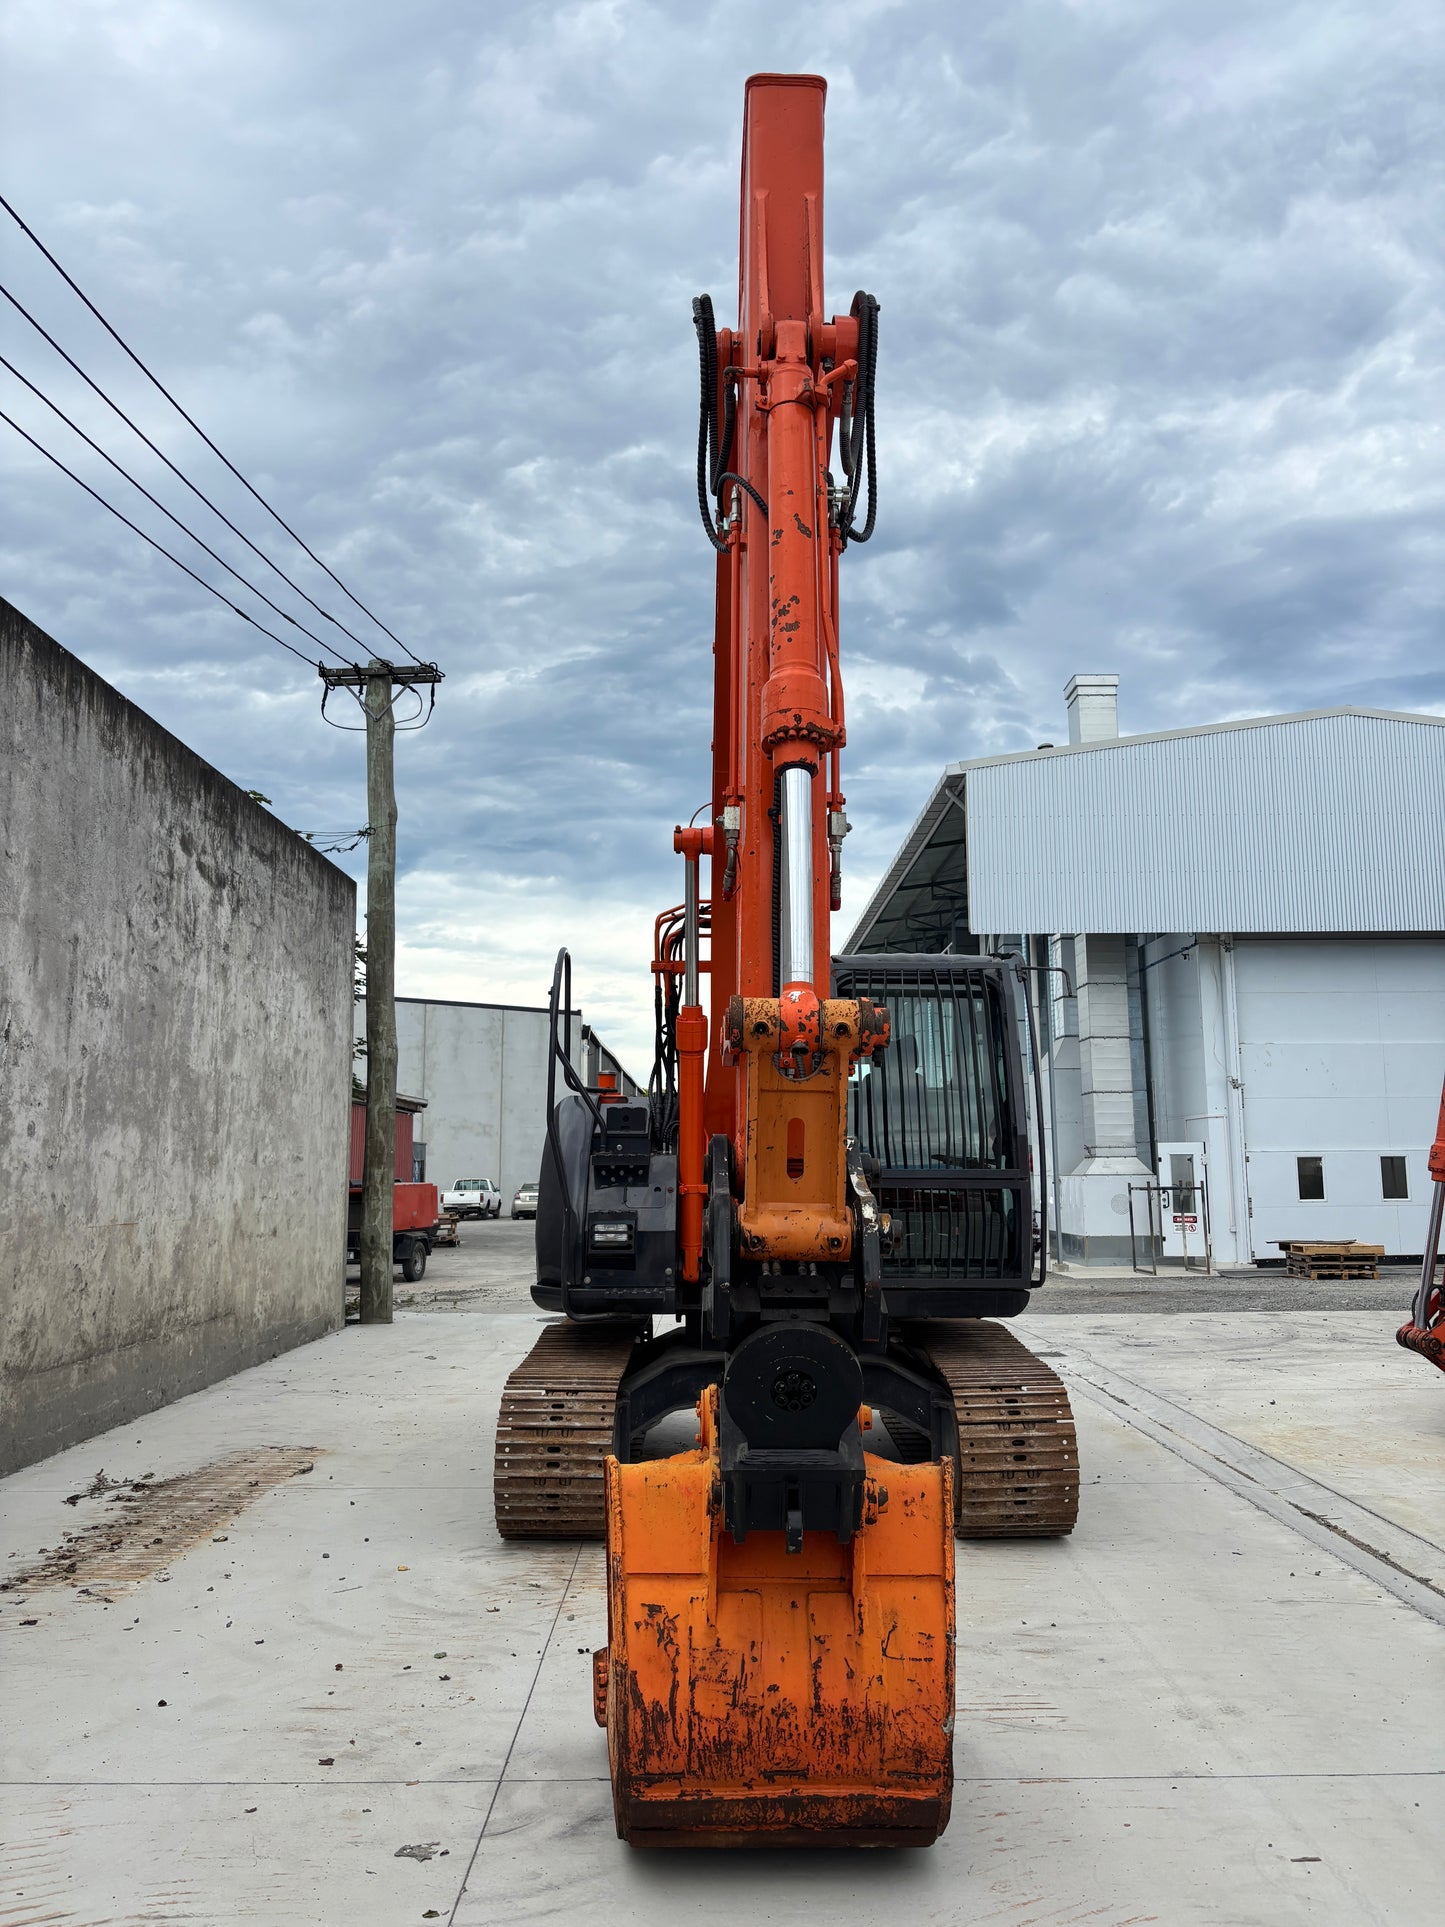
(1160, 392)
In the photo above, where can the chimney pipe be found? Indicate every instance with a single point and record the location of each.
(1093, 705)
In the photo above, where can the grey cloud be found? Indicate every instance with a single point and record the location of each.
(1159, 392)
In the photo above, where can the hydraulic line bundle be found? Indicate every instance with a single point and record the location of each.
(803, 1233)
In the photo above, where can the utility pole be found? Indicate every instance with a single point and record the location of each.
(377, 686)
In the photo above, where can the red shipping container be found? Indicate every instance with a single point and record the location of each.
(405, 1127)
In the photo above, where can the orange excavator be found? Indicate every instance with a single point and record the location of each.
(1424, 1330)
(801, 1240)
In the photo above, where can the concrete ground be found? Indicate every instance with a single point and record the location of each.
(307, 1684)
(491, 1269)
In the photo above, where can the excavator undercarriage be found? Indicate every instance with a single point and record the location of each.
(1006, 1424)
(803, 1236)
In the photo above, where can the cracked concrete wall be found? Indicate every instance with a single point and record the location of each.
(175, 1063)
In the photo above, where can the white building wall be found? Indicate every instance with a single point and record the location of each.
(1328, 1047)
(1188, 1055)
(1068, 1121)
(1314, 1026)
(1068, 1111)
(1223, 1117)
(1341, 1048)
(1176, 1045)
(522, 1100)
(1287, 823)
(482, 1069)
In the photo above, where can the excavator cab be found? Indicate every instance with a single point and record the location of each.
(941, 1120)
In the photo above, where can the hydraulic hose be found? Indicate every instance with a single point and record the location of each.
(708, 438)
(746, 486)
(856, 441)
(714, 438)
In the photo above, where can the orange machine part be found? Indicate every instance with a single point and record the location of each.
(778, 696)
(794, 1187)
(1427, 1339)
(1424, 1330)
(753, 1698)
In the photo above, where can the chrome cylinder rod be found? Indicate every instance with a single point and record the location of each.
(795, 909)
(1420, 1310)
(689, 932)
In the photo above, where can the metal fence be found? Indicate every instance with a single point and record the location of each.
(1170, 1213)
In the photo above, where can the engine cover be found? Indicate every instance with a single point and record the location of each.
(606, 1216)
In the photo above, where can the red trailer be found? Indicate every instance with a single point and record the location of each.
(415, 1207)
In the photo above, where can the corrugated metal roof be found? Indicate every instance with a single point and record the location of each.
(922, 902)
(1324, 821)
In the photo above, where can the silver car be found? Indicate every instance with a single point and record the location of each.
(524, 1204)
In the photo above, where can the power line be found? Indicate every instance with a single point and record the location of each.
(335, 842)
(209, 587)
(200, 494)
(357, 681)
(156, 382)
(75, 427)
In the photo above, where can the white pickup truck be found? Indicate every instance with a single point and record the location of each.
(473, 1198)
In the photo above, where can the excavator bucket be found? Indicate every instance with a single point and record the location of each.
(754, 1697)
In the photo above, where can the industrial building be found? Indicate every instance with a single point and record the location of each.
(481, 1072)
(1236, 946)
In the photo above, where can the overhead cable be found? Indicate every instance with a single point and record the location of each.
(180, 475)
(55, 408)
(209, 587)
(157, 383)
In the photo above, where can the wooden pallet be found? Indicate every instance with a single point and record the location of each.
(446, 1231)
(1315, 1274)
(1336, 1258)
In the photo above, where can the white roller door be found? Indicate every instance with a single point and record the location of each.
(1341, 1054)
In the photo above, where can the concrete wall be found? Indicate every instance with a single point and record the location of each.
(175, 1060)
(482, 1069)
